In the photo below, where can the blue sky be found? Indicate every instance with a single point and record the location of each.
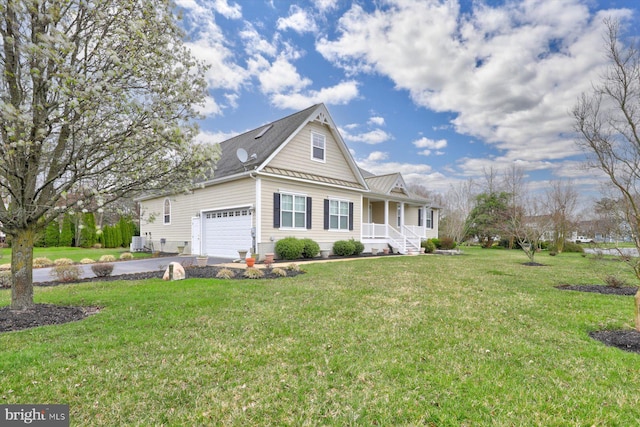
(440, 90)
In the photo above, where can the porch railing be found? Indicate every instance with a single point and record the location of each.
(403, 241)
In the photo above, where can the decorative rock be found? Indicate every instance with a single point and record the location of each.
(178, 271)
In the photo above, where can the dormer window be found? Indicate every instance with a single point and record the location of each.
(318, 147)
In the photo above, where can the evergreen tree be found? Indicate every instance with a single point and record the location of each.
(88, 231)
(68, 231)
(52, 235)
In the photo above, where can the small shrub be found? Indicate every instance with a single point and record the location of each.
(279, 272)
(344, 248)
(447, 243)
(225, 273)
(436, 242)
(553, 253)
(310, 248)
(253, 273)
(5, 267)
(107, 258)
(86, 261)
(428, 246)
(358, 247)
(572, 247)
(125, 256)
(66, 273)
(614, 282)
(103, 269)
(63, 261)
(289, 248)
(97, 246)
(293, 267)
(42, 262)
(5, 279)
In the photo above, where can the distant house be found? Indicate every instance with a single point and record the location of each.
(293, 177)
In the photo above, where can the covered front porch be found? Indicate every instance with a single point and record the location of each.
(399, 224)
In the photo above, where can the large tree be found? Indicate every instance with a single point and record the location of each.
(489, 217)
(97, 102)
(608, 122)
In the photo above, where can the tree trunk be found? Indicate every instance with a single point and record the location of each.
(22, 269)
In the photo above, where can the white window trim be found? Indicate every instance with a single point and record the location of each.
(335, 199)
(164, 212)
(324, 147)
(293, 194)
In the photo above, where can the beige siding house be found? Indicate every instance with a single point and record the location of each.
(293, 177)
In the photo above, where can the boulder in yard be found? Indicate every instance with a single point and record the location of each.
(178, 271)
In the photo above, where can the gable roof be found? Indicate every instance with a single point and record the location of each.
(262, 142)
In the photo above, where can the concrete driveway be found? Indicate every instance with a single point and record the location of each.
(129, 267)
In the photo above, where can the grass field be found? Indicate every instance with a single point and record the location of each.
(475, 340)
(76, 254)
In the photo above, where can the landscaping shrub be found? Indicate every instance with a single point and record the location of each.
(428, 246)
(293, 267)
(289, 248)
(5, 279)
(225, 273)
(86, 261)
(279, 272)
(66, 273)
(436, 242)
(310, 248)
(63, 261)
(344, 247)
(107, 258)
(125, 256)
(253, 273)
(358, 247)
(614, 282)
(103, 269)
(447, 243)
(42, 262)
(572, 247)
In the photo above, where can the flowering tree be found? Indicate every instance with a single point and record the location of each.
(97, 103)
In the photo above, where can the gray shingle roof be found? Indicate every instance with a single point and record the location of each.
(262, 147)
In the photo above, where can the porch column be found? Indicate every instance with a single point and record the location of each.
(424, 220)
(386, 217)
(401, 217)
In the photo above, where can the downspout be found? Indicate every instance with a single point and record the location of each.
(257, 229)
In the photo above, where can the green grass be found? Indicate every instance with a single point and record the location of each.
(76, 254)
(477, 339)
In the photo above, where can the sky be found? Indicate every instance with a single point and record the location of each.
(442, 91)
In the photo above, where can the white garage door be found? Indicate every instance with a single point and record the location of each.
(227, 231)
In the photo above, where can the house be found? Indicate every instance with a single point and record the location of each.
(293, 177)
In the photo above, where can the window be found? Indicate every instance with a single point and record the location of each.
(293, 211)
(318, 147)
(429, 218)
(338, 215)
(167, 211)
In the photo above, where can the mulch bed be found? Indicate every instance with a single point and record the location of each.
(627, 340)
(601, 289)
(49, 314)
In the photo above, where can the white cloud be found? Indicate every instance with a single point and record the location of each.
(375, 136)
(430, 143)
(214, 137)
(325, 5)
(339, 94)
(510, 73)
(282, 76)
(233, 11)
(298, 20)
(376, 120)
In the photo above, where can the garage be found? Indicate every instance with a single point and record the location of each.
(226, 231)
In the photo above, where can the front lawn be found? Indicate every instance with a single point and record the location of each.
(477, 339)
(76, 254)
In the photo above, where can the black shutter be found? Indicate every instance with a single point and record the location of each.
(326, 214)
(350, 216)
(308, 213)
(276, 210)
(432, 224)
(420, 217)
